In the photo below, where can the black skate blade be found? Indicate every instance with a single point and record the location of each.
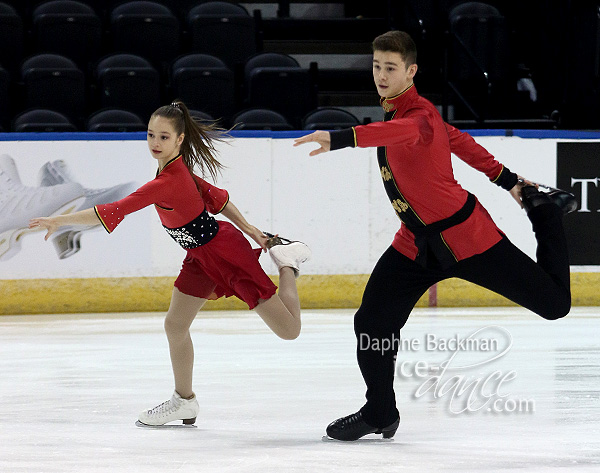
(278, 240)
(365, 439)
(165, 426)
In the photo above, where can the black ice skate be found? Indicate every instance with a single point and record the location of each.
(533, 197)
(353, 427)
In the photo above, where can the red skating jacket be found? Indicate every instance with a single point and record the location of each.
(414, 149)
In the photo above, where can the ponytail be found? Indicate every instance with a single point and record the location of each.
(198, 147)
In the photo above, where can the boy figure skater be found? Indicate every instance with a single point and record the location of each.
(445, 231)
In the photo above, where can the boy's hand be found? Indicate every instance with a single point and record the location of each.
(516, 190)
(323, 138)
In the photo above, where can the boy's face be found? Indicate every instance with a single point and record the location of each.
(390, 73)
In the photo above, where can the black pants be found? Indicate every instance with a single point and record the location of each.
(397, 283)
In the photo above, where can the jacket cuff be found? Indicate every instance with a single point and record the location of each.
(506, 179)
(342, 138)
(104, 225)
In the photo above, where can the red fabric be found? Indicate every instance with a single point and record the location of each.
(418, 146)
(174, 194)
(225, 266)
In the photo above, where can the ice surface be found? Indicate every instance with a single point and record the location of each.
(71, 388)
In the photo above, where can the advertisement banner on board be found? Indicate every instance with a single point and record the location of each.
(40, 179)
(578, 171)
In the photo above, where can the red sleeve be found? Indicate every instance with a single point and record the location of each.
(214, 198)
(464, 146)
(112, 214)
(415, 127)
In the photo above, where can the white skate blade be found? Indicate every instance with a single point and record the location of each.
(61, 243)
(165, 426)
(365, 439)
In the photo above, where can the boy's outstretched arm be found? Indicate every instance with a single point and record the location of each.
(323, 138)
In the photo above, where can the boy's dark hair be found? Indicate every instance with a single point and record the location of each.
(397, 42)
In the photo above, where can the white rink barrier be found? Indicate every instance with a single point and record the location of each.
(334, 202)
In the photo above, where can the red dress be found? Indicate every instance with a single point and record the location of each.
(226, 265)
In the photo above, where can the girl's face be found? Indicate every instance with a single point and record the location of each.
(163, 141)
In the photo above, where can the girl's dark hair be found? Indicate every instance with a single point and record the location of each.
(397, 42)
(198, 147)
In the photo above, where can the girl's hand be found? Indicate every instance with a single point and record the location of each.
(323, 138)
(48, 223)
(258, 236)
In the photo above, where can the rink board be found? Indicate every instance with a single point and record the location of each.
(44, 296)
(334, 202)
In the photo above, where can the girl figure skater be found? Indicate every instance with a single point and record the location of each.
(219, 260)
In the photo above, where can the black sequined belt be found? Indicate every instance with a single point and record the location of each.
(196, 233)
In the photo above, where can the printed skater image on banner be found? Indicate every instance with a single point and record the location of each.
(58, 192)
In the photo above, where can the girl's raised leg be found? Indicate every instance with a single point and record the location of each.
(282, 311)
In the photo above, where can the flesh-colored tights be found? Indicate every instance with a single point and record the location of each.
(281, 313)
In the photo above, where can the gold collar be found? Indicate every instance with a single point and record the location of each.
(390, 103)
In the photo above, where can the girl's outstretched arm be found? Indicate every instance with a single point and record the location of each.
(232, 213)
(51, 224)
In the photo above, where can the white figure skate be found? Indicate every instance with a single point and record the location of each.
(287, 253)
(67, 241)
(174, 409)
(19, 204)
